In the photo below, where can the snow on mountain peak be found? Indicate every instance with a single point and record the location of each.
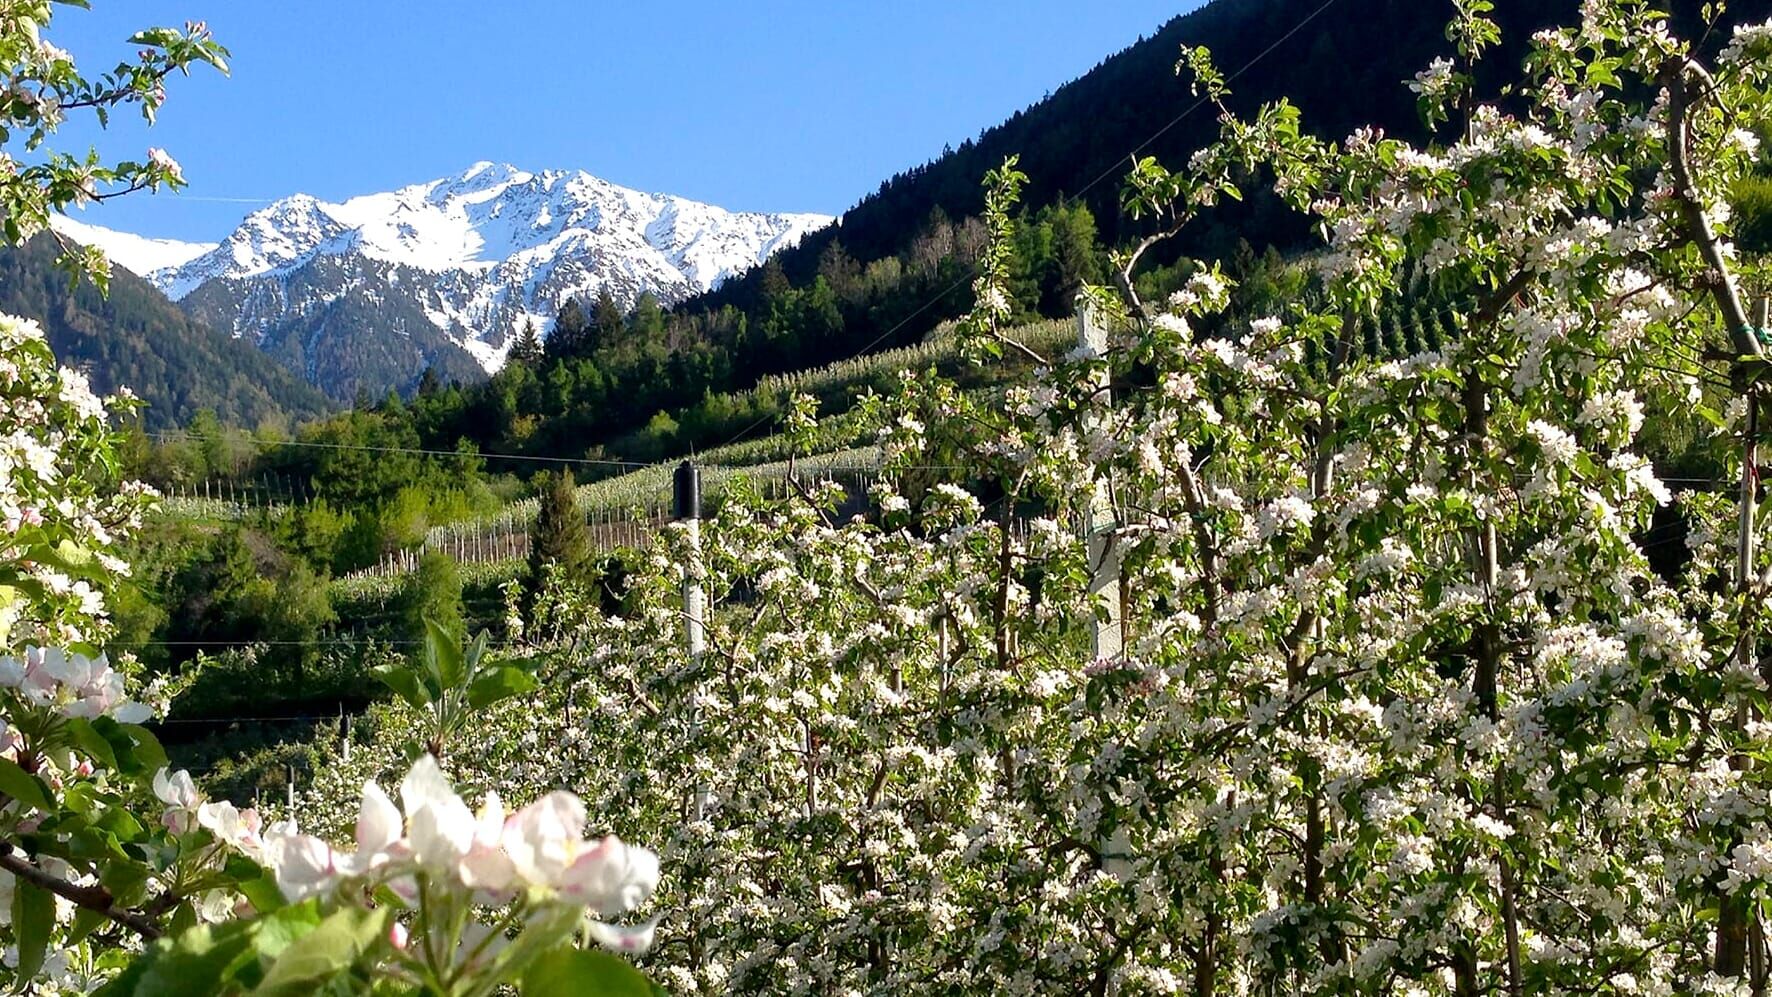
(485, 251)
(134, 253)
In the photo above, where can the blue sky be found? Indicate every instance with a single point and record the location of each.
(768, 105)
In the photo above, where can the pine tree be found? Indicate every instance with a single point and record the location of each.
(774, 281)
(648, 325)
(607, 321)
(429, 384)
(570, 336)
(527, 349)
(558, 537)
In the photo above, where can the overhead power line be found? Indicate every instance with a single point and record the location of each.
(420, 451)
(1196, 105)
(1110, 171)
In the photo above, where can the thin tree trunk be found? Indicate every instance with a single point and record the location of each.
(1486, 683)
(1733, 910)
(1206, 965)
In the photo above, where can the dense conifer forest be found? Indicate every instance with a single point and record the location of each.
(133, 336)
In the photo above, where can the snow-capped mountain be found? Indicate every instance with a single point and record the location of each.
(369, 292)
(138, 255)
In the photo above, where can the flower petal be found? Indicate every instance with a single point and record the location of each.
(611, 877)
(543, 837)
(424, 784)
(621, 938)
(378, 821)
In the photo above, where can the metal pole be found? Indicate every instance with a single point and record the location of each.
(688, 510)
(1108, 635)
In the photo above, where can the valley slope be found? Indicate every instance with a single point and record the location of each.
(134, 337)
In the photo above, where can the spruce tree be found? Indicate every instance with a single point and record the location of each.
(607, 321)
(527, 349)
(559, 536)
(570, 336)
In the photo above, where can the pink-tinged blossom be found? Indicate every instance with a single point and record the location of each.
(540, 848)
(609, 877)
(160, 158)
(305, 866)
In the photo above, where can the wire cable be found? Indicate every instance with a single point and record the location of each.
(1110, 171)
(420, 451)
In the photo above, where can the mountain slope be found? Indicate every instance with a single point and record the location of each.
(1342, 62)
(902, 261)
(136, 337)
(138, 255)
(371, 291)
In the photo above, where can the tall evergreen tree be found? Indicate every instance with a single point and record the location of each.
(570, 336)
(607, 321)
(1076, 257)
(429, 383)
(840, 270)
(432, 592)
(774, 281)
(648, 326)
(527, 349)
(558, 537)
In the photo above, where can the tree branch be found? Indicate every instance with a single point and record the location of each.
(93, 898)
(1679, 105)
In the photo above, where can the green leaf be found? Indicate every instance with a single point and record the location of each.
(443, 655)
(184, 918)
(255, 884)
(202, 960)
(24, 787)
(331, 948)
(570, 972)
(92, 744)
(278, 931)
(126, 881)
(147, 750)
(499, 684)
(476, 651)
(72, 554)
(85, 923)
(405, 683)
(33, 919)
(126, 748)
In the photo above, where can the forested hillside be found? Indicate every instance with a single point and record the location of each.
(134, 337)
(900, 262)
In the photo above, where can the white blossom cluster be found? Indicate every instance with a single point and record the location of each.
(72, 684)
(538, 851)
